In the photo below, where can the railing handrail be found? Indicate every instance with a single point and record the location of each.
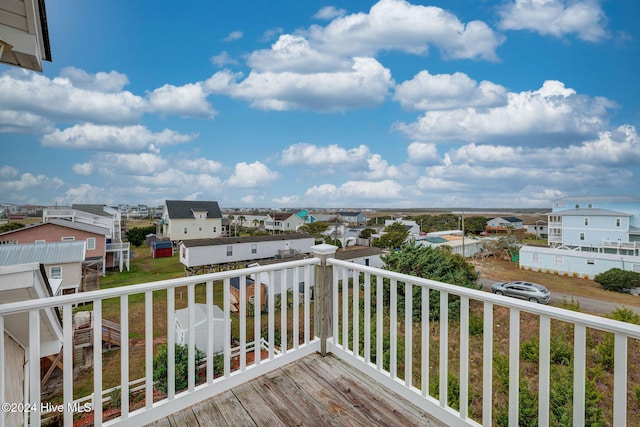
(583, 319)
(16, 307)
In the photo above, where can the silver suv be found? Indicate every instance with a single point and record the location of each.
(524, 290)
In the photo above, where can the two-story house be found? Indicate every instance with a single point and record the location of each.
(352, 217)
(589, 235)
(283, 222)
(191, 219)
(62, 230)
(102, 216)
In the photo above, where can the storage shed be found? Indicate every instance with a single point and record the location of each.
(161, 249)
(200, 324)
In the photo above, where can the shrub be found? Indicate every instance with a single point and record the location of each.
(618, 280)
(476, 325)
(160, 370)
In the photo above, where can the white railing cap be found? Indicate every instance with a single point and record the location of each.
(324, 249)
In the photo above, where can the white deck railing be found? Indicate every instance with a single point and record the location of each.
(285, 349)
(367, 302)
(372, 327)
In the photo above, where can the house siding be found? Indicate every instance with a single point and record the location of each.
(14, 357)
(241, 251)
(50, 233)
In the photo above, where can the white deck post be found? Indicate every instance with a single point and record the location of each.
(323, 321)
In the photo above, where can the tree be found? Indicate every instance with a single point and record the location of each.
(316, 229)
(366, 233)
(137, 235)
(242, 219)
(618, 280)
(394, 236)
(431, 263)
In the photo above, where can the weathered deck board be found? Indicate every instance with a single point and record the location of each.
(313, 391)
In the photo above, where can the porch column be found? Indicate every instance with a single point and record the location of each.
(323, 294)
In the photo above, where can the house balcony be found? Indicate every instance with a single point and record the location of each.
(485, 363)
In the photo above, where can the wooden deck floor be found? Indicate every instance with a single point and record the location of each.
(314, 391)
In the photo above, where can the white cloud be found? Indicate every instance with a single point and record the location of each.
(353, 193)
(329, 12)
(198, 165)
(222, 59)
(23, 122)
(111, 138)
(399, 25)
(551, 113)
(84, 169)
(59, 100)
(530, 176)
(556, 17)
(331, 155)
(23, 187)
(366, 84)
(189, 100)
(420, 152)
(287, 200)
(254, 175)
(294, 54)
(110, 82)
(234, 35)
(7, 172)
(446, 91)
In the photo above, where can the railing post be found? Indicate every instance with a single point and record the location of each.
(323, 294)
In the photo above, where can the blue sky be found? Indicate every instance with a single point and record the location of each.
(313, 104)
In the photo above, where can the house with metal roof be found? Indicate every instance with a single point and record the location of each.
(62, 261)
(61, 230)
(191, 219)
(200, 254)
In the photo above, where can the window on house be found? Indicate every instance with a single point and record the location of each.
(229, 250)
(40, 241)
(185, 230)
(68, 238)
(55, 272)
(591, 261)
(590, 205)
(577, 205)
(586, 221)
(91, 243)
(366, 262)
(618, 222)
(581, 236)
(199, 228)
(254, 248)
(214, 229)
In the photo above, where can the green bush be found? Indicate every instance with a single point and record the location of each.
(618, 280)
(160, 370)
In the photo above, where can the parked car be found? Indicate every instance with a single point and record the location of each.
(524, 290)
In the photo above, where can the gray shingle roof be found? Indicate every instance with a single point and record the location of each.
(183, 209)
(44, 253)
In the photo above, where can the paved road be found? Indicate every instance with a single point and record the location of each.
(590, 305)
